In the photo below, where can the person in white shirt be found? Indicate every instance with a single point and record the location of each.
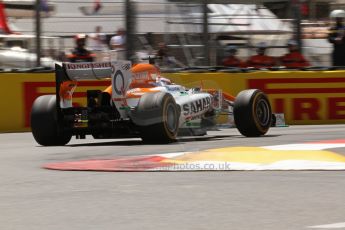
(118, 44)
(97, 40)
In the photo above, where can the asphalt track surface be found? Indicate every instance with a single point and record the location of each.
(36, 198)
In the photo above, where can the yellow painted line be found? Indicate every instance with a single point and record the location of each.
(256, 155)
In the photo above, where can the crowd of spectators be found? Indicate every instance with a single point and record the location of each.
(97, 41)
(292, 59)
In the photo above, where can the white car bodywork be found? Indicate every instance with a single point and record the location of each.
(193, 102)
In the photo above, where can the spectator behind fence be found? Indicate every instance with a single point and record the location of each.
(261, 60)
(118, 44)
(293, 59)
(97, 40)
(80, 53)
(162, 51)
(231, 60)
(337, 37)
(164, 58)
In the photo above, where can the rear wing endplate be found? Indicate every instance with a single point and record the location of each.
(68, 74)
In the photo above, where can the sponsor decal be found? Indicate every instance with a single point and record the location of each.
(173, 88)
(135, 90)
(192, 118)
(126, 67)
(119, 81)
(197, 106)
(140, 76)
(88, 65)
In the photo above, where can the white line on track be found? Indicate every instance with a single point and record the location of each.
(308, 146)
(330, 226)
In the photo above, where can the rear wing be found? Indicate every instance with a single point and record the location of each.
(68, 74)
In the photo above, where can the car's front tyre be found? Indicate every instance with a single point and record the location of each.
(252, 113)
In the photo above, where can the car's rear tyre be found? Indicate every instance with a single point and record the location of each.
(162, 107)
(44, 122)
(252, 113)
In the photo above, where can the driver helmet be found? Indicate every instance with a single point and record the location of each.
(144, 74)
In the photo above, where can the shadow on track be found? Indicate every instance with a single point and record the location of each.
(140, 142)
(265, 136)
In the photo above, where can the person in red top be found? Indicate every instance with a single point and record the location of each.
(293, 59)
(231, 60)
(261, 60)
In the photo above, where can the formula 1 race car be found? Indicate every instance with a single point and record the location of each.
(139, 103)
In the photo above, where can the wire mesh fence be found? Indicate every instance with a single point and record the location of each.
(180, 25)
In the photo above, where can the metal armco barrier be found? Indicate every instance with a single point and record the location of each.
(305, 97)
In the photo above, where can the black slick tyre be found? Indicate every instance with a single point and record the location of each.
(44, 124)
(162, 108)
(252, 113)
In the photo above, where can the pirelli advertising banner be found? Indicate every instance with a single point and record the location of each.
(305, 97)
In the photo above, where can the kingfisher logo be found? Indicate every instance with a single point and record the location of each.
(314, 100)
(92, 65)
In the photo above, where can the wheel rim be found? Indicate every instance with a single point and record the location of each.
(262, 112)
(171, 118)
